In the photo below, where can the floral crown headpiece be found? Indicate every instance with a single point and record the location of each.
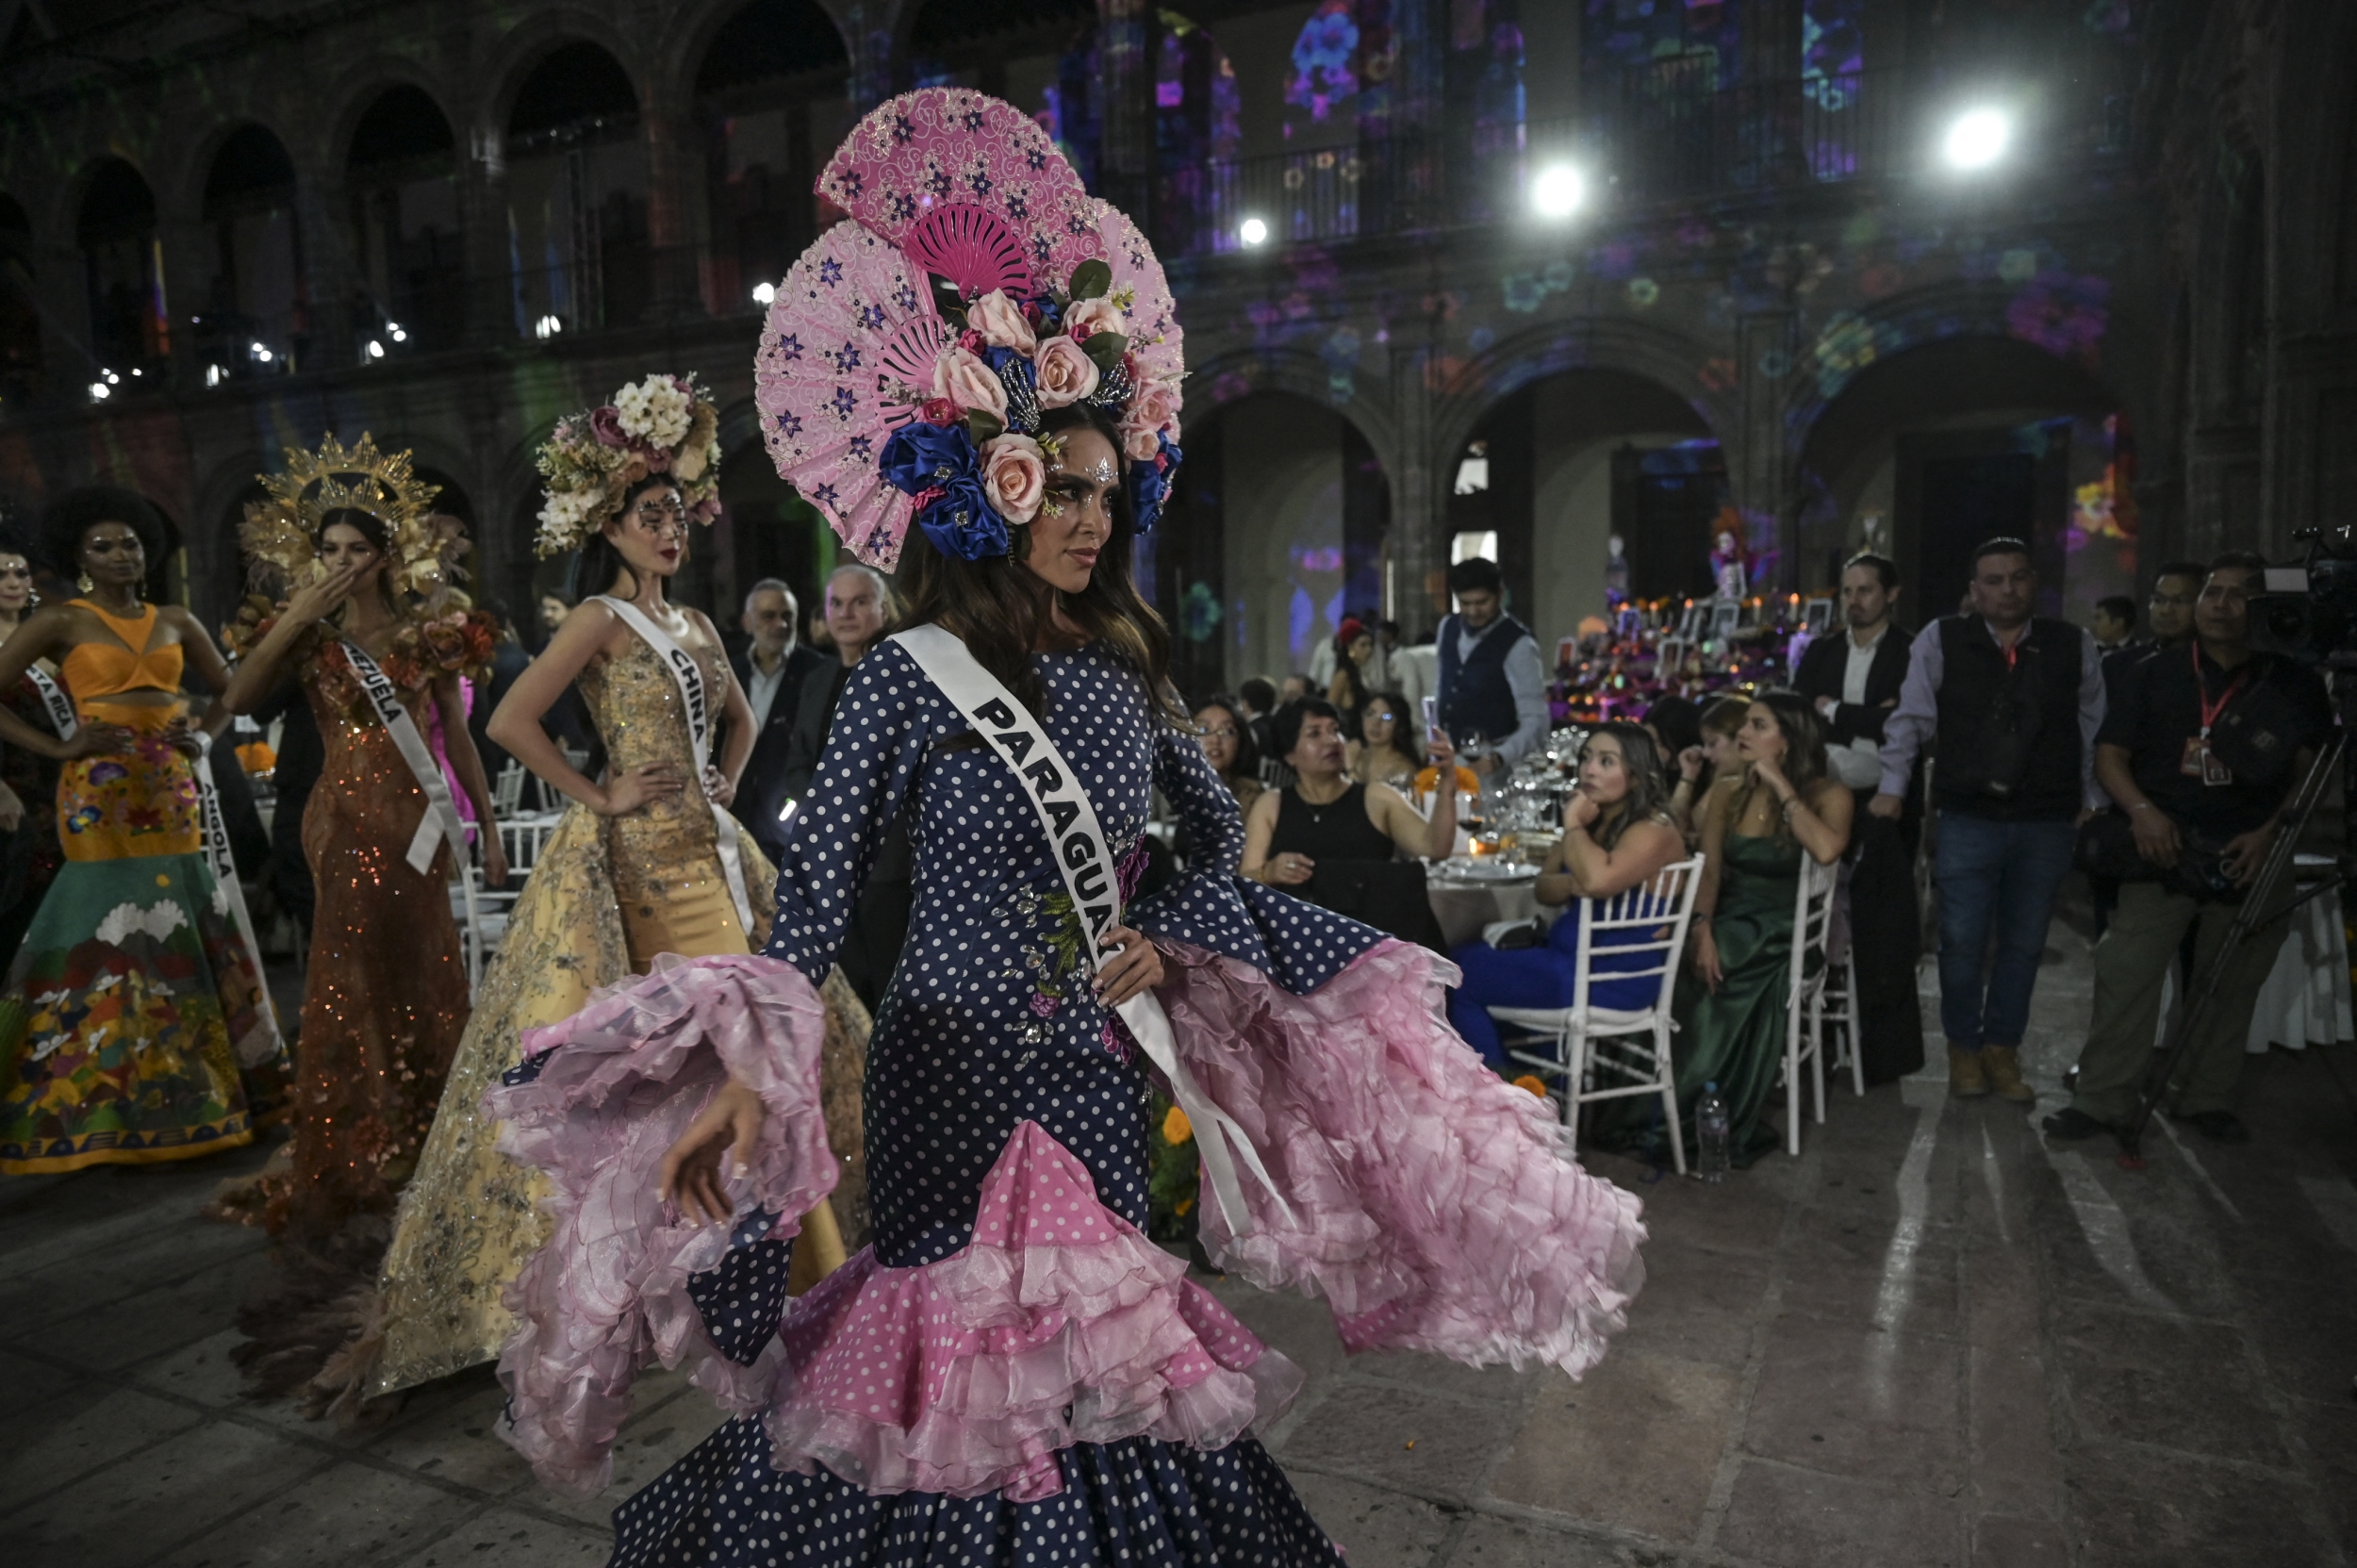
(912, 354)
(281, 535)
(665, 424)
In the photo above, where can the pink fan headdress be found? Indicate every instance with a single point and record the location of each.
(960, 202)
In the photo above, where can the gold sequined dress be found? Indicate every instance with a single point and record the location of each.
(605, 897)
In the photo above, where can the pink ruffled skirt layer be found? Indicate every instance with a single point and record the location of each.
(1429, 1203)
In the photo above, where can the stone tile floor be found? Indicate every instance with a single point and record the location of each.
(1929, 1340)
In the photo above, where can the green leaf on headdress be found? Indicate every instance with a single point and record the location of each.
(983, 424)
(1090, 280)
(1106, 349)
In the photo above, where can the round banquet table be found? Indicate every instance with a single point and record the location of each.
(1464, 907)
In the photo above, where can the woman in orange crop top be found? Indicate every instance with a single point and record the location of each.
(134, 1027)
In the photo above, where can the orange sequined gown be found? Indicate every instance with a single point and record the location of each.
(385, 997)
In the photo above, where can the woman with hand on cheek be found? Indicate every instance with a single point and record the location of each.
(1616, 835)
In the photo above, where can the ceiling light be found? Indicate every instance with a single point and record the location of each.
(98, 392)
(376, 350)
(1252, 231)
(1977, 138)
(1558, 191)
(765, 292)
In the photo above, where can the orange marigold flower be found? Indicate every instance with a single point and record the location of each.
(1531, 1082)
(1177, 1130)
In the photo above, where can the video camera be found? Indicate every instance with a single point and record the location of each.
(2310, 612)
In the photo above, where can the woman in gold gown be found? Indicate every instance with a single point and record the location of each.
(385, 994)
(635, 869)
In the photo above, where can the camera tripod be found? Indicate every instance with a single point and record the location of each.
(2273, 895)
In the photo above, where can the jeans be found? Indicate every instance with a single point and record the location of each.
(2004, 876)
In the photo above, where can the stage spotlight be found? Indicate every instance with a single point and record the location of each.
(1558, 191)
(765, 292)
(376, 350)
(1252, 231)
(1977, 138)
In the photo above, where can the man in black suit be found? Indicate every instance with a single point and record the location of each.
(1854, 681)
(771, 669)
(859, 612)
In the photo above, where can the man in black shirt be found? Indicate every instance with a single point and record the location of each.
(2203, 752)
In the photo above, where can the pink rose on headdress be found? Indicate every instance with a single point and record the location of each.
(1084, 319)
(937, 411)
(658, 459)
(1065, 373)
(971, 342)
(1154, 410)
(605, 424)
(970, 384)
(1003, 324)
(706, 509)
(1015, 476)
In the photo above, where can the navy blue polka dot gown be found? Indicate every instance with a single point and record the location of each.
(990, 1022)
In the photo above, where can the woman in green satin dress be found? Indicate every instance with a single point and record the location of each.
(1757, 824)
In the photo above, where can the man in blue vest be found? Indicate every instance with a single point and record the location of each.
(2013, 701)
(1491, 684)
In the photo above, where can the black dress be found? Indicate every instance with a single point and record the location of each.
(1356, 868)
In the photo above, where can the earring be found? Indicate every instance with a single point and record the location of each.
(84, 583)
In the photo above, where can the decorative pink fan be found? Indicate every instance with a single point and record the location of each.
(917, 159)
(1155, 340)
(971, 248)
(845, 356)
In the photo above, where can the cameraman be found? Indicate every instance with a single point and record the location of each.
(2202, 750)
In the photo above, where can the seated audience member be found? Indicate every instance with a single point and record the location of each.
(1294, 688)
(1387, 752)
(1323, 836)
(1616, 835)
(1702, 765)
(1226, 736)
(1674, 723)
(2202, 749)
(1348, 688)
(1776, 804)
(1259, 696)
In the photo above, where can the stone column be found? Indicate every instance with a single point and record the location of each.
(677, 204)
(483, 223)
(1756, 467)
(1419, 534)
(1125, 91)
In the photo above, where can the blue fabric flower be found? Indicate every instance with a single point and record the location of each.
(922, 457)
(1150, 482)
(962, 522)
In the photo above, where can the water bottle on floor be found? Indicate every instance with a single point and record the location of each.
(1712, 1125)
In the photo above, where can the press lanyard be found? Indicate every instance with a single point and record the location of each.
(2201, 691)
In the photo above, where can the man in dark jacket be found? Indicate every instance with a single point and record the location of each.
(1491, 684)
(2013, 701)
(1854, 681)
(2203, 753)
(859, 612)
(771, 669)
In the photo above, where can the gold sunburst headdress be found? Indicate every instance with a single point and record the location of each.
(282, 534)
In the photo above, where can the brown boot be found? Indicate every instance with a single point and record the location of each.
(2003, 1067)
(1965, 1079)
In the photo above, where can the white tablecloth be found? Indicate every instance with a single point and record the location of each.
(1464, 907)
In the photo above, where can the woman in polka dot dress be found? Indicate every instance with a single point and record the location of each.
(1012, 1374)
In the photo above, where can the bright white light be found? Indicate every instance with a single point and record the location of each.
(765, 292)
(397, 334)
(1558, 191)
(785, 812)
(98, 392)
(212, 375)
(112, 379)
(394, 327)
(376, 350)
(1252, 231)
(1977, 138)
(546, 327)
(135, 370)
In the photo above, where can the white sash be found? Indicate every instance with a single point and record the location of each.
(441, 820)
(259, 1045)
(692, 691)
(60, 706)
(1085, 861)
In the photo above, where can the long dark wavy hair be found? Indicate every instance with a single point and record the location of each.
(598, 562)
(1804, 750)
(1648, 797)
(999, 608)
(380, 537)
